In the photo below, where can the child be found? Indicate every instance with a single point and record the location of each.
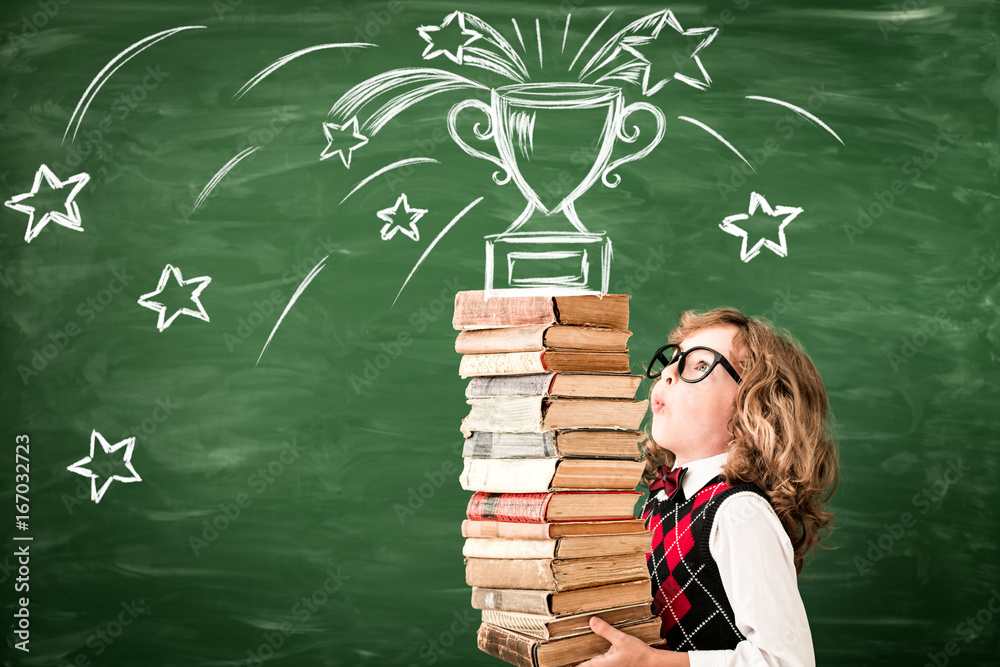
(737, 459)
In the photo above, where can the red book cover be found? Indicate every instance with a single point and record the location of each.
(524, 507)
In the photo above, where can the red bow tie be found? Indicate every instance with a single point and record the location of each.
(669, 481)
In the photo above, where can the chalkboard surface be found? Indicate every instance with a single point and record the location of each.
(291, 494)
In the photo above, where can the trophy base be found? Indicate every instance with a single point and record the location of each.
(552, 263)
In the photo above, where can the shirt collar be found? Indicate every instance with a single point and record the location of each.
(698, 474)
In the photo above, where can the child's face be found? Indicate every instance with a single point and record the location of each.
(691, 419)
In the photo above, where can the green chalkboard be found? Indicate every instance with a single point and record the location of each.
(291, 496)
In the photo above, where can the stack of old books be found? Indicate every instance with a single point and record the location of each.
(551, 454)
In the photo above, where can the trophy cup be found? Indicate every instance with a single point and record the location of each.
(533, 120)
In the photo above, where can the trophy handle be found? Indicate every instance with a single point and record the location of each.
(629, 138)
(482, 136)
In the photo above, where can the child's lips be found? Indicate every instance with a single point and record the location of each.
(657, 405)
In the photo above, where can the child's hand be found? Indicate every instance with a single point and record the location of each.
(626, 650)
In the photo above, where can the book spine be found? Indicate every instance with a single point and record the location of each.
(507, 646)
(529, 573)
(506, 529)
(593, 413)
(524, 623)
(486, 386)
(484, 547)
(509, 363)
(511, 599)
(508, 475)
(521, 507)
(517, 414)
(514, 339)
(474, 311)
(569, 361)
(580, 310)
(491, 445)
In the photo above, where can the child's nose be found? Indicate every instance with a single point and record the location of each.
(668, 375)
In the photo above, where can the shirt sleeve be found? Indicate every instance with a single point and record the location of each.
(757, 567)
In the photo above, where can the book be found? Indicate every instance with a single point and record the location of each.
(533, 414)
(474, 311)
(548, 474)
(562, 603)
(555, 574)
(526, 651)
(579, 546)
(554, 627)
(541, 337)
(561, 443)
(553, 507)
(541, 361)
(578, 385)
(515, 530)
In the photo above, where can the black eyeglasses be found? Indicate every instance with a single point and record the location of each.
(703, 361)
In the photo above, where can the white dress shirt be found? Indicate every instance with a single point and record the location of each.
(756, 564)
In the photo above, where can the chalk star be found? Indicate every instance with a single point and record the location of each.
(432, 52)
(146, 302)
(78, 467)
(348, 129)
(389, 215)
(70, 219)
(629, 44)
(758, 201)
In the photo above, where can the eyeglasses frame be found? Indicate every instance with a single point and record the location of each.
(680, 357)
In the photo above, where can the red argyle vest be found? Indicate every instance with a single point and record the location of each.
(688, 595)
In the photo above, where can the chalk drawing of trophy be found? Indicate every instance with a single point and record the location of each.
(539, 130)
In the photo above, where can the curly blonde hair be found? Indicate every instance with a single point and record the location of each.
(781, 440)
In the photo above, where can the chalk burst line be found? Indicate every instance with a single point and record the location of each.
(434, 242)
(800, 111)
(113, 66)
(719, 137)
(219, 175)
(284, 60)
(389, 167)
(305, 283)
